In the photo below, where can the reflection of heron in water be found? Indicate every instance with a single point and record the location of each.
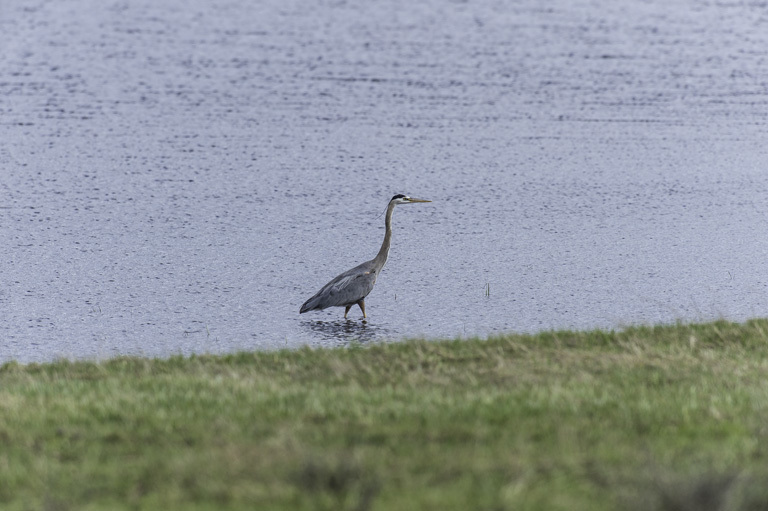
(352, 286)
(343, 333)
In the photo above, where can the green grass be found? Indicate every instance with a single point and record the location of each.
(668, 418)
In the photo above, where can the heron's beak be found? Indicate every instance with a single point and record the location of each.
(411, 199)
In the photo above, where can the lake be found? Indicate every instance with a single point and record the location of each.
(179, 177)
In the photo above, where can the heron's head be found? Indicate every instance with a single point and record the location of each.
(404, 199)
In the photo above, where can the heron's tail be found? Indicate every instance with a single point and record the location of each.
(317, 302)
(308, 306)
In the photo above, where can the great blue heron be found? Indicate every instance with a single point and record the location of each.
(352, 286)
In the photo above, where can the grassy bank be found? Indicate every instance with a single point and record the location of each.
(647, 418)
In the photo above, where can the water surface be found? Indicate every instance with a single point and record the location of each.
(179, 176)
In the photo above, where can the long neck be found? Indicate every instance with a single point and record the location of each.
(381, 257)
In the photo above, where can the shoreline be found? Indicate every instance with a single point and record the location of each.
(597, 420)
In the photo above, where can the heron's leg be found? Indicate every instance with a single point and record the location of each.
(346, 310)
(361, 303)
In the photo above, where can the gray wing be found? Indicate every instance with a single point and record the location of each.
(348, 288)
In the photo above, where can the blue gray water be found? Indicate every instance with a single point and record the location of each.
(179, 176)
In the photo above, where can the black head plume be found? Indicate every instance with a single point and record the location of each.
(398, 196)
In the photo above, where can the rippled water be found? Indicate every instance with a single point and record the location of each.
(179, 177)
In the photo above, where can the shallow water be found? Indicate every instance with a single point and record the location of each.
(178, 177)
